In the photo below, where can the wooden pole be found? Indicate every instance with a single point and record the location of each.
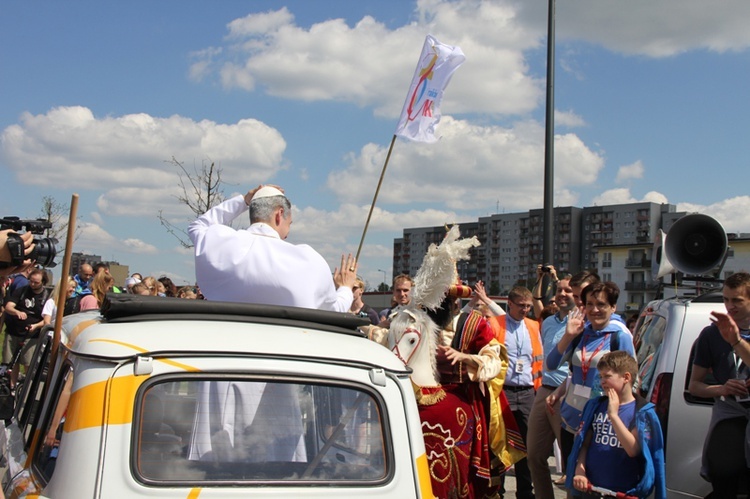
(62, 295)
(375, 198)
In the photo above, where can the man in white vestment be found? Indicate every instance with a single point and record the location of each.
(257, 265)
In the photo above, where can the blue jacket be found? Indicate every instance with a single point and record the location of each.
(82, 288)
(652, 451)
(571, 407)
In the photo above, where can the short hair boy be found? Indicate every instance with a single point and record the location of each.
(619, 446)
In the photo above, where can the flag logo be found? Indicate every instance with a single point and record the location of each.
(421, 111)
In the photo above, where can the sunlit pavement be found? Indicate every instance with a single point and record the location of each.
(510, 483)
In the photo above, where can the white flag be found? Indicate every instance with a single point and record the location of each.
(421, 111)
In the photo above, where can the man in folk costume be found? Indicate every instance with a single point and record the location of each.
(471, 366)
(523, 340)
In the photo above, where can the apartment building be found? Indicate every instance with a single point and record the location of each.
(615, 240)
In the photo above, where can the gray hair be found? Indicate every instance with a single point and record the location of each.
(261, 210)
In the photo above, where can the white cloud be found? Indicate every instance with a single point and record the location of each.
(97, 217)
(259, 24)
(733, 213)
(470, 168)
(336, 232)
(92, 238)
(333, 61)
(631, 171)
(613, 196)
(132, 245)
(69, 147)
(316, 227)
(655, 197)
(654, 29)
(623, 195)
(569, 119)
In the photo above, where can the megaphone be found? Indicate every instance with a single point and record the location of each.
(660, 265)
(695, 244)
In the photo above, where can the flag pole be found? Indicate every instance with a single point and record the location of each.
(421, 110)
(375, 197)
(72, 216)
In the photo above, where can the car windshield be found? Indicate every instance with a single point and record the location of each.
(224, 431)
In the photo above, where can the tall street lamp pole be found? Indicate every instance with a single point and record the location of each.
(384, 276)
(549, 153)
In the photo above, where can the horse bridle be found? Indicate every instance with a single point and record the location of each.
(395, 348)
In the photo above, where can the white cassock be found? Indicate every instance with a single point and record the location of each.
(247, 421)
(256, 266)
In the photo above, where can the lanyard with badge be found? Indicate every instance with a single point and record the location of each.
(520, 364)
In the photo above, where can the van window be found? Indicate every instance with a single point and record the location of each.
(648, 340)
(198, 431)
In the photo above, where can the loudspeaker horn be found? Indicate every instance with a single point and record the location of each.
(660, 265)
(695, 244)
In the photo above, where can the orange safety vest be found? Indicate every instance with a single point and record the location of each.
(537, 352)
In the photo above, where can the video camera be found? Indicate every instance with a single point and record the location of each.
(45, 248)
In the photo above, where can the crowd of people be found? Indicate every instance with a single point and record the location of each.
(565, 357)
(29, 302)
(567, 360)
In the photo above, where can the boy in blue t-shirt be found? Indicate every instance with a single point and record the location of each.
(619, 447)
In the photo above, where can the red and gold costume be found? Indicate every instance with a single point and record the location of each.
(475, 424)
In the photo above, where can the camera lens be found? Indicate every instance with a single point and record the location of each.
(44, 251)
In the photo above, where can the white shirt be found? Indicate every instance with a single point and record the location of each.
(50, 308)
(255, 265)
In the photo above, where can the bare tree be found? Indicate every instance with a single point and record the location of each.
(201, 190)
(57, 214)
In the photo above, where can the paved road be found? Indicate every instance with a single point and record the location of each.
(510, 483)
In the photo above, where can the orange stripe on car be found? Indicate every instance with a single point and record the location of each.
(172, 363)
(88, 405)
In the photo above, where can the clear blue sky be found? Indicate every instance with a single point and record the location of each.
(651, 99)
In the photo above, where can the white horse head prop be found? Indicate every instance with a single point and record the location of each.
(413, 338)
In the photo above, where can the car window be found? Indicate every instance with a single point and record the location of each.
(29, 401)
(648, 340)
(198, 431)
(52, 430)
(709, 379)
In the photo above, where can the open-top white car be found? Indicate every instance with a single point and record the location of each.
(166, 397)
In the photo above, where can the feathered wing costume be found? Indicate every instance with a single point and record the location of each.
(496, 442)
(438, 272)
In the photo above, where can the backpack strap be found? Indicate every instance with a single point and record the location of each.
(571, 348)
(614, 341)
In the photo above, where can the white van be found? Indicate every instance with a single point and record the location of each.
(664, 340)
(179, 398)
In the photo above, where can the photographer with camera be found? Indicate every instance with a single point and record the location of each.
(539, 294)
(18, 249)
(24, 321)
(26, 248)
